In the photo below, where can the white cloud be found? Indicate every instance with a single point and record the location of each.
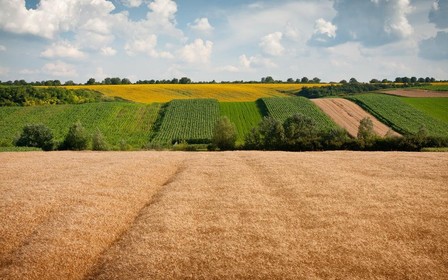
(271, 44)
(197, 52)
(60, 69)
(324, 31)
(291, 32)
(2, 48)
(164, 8)
(63, 50)
(132, 3)
(202, 25)
(142, 45)
(229, 68)
(50, 17)
(439, 14)
(108, 51)
(372, 23)
(256, 62)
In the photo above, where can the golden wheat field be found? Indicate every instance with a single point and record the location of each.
(223, 92)
(230, 215)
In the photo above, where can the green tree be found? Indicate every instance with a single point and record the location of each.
(98, 142)
(301, 132)
(272, 133)
(224, 134)
(77, 138)
(91, 81)
(36, 135)
(365, 130)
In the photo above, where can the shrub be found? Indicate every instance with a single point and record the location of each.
(36, 135)
(76, 138)
(224, 134)
(98, 142)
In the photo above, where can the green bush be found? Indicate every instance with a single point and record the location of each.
(98, 142)
(36, 135)
(76, 139)
(224, 134)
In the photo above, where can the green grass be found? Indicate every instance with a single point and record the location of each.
(435, 107)
(119, 122)
(245, 116)
(283, 108)
(188, 120)
(399, 115)
(19, 149)
(435, 87)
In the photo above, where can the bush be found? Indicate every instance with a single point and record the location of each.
(98, 142)
(224, 134)
(36, 135)
(76, 139)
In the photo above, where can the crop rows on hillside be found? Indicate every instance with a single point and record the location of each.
(245, 116)
(119, 122)
(399, 115)
(283, 108)
(188, 120)
(435, 107)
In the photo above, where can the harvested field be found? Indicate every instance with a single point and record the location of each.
(348, 115)
(251, 215)
(416, 93)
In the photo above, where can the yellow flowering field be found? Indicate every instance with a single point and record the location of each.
(222, 92)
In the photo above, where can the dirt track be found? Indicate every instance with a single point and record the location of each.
(348, 115)
(271, 215)
(416, 93)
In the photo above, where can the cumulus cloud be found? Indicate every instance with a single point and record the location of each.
(62, 50)
(2, 48)
(202, 25)
(50, 17)
(108, 51)
(372, 23)
(256, 62)
(197, 52)
(271, 44)
(435, 48)
(132, 3)
(142, 45)
(60, 69)
(229, 68)
(324, 31)
(439, 14)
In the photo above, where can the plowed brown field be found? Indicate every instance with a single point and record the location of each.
(251, 215)
(349, 115)
(416, 93)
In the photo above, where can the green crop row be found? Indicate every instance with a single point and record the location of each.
(188, 120)
(283, 108)
(245, 116)
(435, 107)
(119, 122)
(399, 115)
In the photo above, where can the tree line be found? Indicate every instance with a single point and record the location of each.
(186, 80)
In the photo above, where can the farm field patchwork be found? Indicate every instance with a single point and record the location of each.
(188, 120)
(348, 115)
(162, 93)
(271, 215)
(283, 108)
(399, 115)
(245, 116)
(416, 93)
(119, 122)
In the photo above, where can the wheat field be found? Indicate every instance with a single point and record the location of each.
(232, 215)
(161, 93)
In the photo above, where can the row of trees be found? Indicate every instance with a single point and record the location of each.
(300, 133)
(186, 80)
(77, 138)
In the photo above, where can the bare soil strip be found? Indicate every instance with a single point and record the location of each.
(416, 93)
(349, 115)
(251, 215)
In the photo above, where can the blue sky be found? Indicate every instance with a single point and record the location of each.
(222, 40)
